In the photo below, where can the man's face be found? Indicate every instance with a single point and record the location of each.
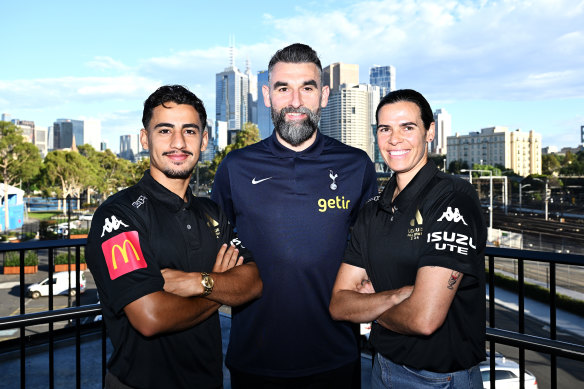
(296, 97)
(175, 139)
(402, 138)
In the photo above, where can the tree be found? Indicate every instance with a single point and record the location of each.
(494, 170)
(456, 166)
(248, 135)
(550, 164)
(19, 160)
(67, 173)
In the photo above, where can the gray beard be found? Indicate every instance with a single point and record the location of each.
(295, 133)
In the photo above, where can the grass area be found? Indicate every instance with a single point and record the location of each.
(43, 215)
(541, 294)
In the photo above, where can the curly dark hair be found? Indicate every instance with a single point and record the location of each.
(173, 93)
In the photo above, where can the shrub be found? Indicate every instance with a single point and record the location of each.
(12, 258)
(61, 259)
(79, 231)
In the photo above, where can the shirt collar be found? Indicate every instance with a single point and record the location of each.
(410, 192)
(161, 194)
(281, 151)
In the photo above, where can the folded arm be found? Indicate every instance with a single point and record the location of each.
(353, 299)
(426, 309)
(234, 283)
(161, 312)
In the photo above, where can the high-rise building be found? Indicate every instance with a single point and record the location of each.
(63, 132)
(36, 135)
(252, 95)
(338, 73)
(515, 150)
(264, 118)
(220, 135)
(232, 96)
(209, 153)
(442, 129)
(350, 116)
(383, 77)
(6, 117)
(92, 133)
(130, 147)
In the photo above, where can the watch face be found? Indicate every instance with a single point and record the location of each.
(208, 282)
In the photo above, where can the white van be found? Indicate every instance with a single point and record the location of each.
(60, 285)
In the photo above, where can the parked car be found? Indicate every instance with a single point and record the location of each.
(506, 374)
(60, 285)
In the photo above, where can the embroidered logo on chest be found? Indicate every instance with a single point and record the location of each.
(417, 230)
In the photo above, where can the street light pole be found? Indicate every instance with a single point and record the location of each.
(520, 198)
(490, 190)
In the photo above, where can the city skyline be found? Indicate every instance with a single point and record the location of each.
(487, 63)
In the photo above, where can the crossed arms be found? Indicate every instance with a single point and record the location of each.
(412, 310)
(181, 306)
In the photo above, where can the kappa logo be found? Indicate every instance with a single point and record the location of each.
(452, 216)
(112, 225)
(141, 200)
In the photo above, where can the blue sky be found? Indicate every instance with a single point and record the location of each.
(513, 63)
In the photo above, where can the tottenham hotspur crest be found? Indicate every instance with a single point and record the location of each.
(333, 177)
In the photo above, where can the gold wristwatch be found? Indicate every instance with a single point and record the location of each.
(207, 282)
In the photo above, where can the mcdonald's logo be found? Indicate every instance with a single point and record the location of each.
(123, 254)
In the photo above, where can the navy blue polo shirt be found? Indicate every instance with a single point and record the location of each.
(293, 210)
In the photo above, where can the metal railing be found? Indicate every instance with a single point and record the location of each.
(517, 339)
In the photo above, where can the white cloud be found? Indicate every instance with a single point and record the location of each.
(106, 63)
(486, 50)
(51, 92)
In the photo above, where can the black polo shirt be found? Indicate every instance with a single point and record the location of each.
(134, 234)
(436, 220)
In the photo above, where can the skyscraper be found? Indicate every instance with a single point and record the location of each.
(34, 134)
(442, 129)
(130, 147)
(264, 118)
(232, 94)
(92, 133)
(339, 73)
(63, 132)
(384, 77)
(350, 116)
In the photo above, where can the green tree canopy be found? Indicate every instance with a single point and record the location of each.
(248, 135)
(456, 166)
(19, 160)
(67, 173)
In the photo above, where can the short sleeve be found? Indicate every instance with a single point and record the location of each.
(455, 234)
(356, 248)
(120, 258)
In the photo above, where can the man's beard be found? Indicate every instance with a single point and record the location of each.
(178, 172)
(175, 173)
(295, 133)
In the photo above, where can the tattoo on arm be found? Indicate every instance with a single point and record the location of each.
(453, 279)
